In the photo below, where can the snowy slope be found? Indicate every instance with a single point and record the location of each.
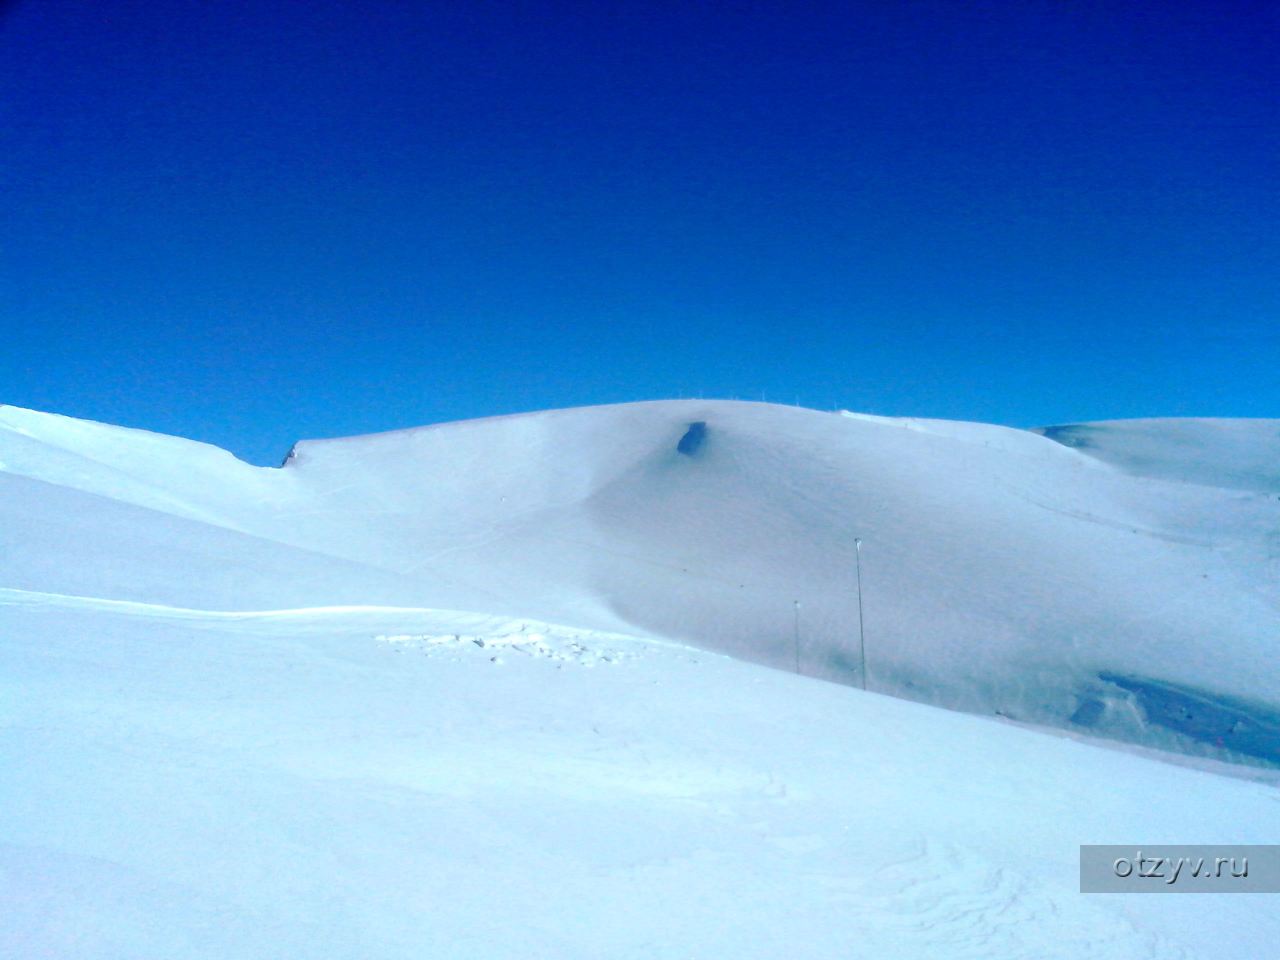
(1235, 454)
(372, 782)
(1002, 572)
(243, 712)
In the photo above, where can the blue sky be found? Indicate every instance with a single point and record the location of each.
(250, 223)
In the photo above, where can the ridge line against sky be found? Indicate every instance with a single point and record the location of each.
(251, 223)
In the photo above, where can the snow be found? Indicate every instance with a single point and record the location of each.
(1003, 572)
(1235, 454)
(500, 688)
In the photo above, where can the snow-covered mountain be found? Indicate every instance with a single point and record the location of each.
(459, 690)
(1107, 581)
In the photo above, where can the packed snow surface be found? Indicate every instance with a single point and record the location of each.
(499, 688)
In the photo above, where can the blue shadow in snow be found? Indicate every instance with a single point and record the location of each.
(693, 438)
(1225, 722)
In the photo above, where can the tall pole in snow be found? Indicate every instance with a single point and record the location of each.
(797, 635)
(862, 637)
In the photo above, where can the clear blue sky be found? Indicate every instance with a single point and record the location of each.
(253, 222)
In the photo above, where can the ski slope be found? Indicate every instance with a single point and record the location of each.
(1103, 582)
(355, 782)
(502, 688)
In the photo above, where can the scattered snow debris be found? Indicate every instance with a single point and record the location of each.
(586, 648)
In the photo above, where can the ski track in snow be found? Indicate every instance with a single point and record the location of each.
(951, 898)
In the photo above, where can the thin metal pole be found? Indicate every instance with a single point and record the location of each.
(797, 635)
(862, 636)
